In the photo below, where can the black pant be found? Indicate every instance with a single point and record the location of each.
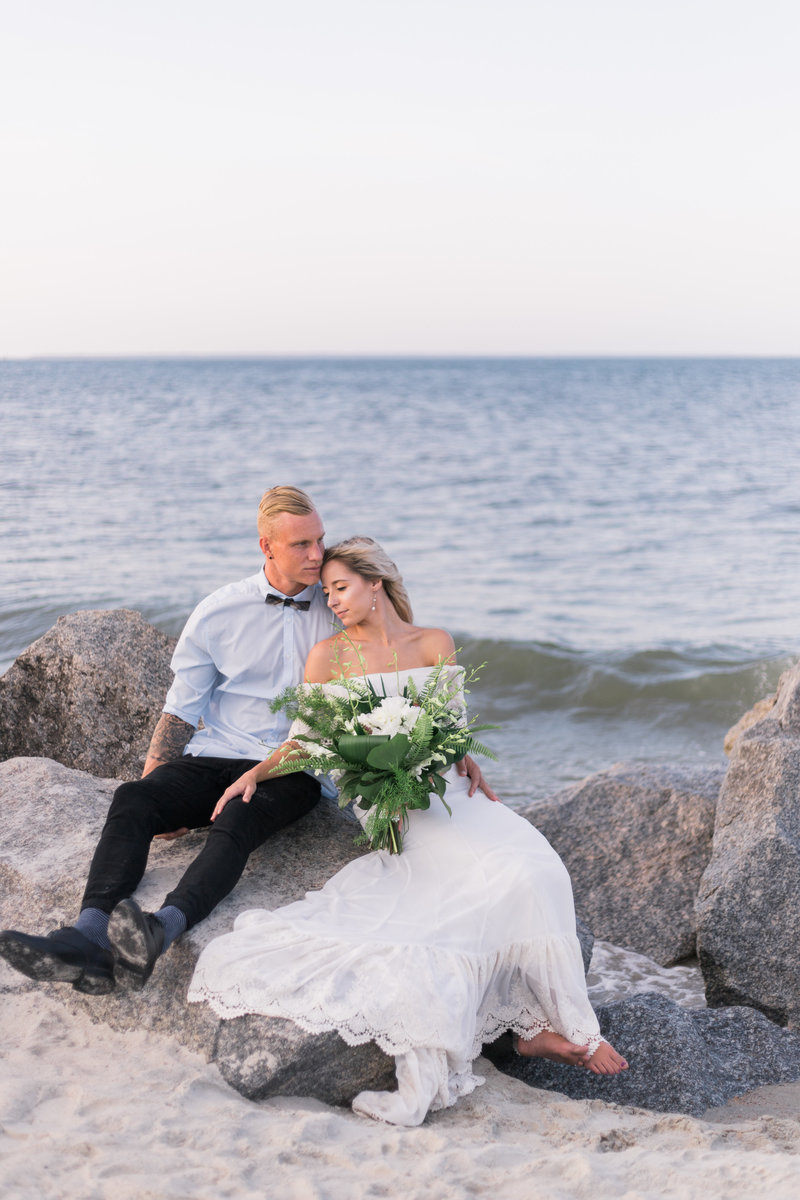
(184, 793)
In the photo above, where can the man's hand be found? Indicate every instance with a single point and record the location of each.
(245, 786)
(468, 766)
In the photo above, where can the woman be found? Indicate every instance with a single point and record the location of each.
(432, 952)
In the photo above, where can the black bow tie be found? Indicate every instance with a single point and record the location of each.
(303, 605)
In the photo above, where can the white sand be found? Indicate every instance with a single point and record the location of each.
(88, 1113)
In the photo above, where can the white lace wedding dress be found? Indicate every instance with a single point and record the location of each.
(430, 953)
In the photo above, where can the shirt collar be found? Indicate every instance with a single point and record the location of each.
(265, 586)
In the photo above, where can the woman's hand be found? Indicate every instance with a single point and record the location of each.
(468, 766)
(244, 786)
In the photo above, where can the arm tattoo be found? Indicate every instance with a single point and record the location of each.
(169, 738)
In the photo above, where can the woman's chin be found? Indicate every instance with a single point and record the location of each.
(347, 619)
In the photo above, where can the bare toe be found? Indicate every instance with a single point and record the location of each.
(606, 1061)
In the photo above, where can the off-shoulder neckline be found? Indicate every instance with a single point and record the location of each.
(389, 673)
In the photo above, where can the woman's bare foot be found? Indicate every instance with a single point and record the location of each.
(553, 1047)
(606, 1061)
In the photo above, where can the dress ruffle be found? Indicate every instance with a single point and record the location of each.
(401, 997)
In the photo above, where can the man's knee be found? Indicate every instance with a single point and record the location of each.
(291, 796)
(274, 805)
(235, 815)
(128, 796)
(133, 804)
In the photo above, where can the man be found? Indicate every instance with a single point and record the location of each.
(241, 647)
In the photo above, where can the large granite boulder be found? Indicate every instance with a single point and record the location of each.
(636, 840)
(264, 1056)
(748, 907)
(679, 1060)
(88, 693)
(761, 709)
(586, 939)
(52, 817)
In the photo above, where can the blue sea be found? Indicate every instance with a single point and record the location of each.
(616, 539)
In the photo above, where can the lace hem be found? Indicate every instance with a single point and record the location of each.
(402, 997)
(355, 1032)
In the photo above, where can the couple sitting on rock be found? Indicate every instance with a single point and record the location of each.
(429, 953)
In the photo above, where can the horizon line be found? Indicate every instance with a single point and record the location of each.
(437, 356)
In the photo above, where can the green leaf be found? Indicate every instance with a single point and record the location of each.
(389, 755)
(476, 747)
(437, 784)
(423, 729)
(355, 747)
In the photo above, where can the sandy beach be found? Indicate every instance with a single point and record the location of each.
(90, 1113)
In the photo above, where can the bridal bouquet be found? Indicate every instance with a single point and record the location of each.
(388, 750)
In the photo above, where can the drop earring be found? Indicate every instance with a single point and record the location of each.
(374, 600)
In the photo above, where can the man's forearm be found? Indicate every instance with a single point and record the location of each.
(168, 742)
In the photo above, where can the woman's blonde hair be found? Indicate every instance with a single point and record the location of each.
(282, 499)
(369, 560)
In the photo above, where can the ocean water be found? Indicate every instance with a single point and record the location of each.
(615, 538)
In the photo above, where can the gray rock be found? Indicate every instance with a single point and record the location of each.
(52, 819)
(761, 709)
(586, 939)
(636, 840)
(748, 906)
(263, 1056)
(88, 693)
(680, 1060)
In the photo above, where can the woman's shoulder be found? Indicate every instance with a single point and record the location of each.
(437, 645)
(322, 658)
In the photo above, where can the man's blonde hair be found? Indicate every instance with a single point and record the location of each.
(282, 499)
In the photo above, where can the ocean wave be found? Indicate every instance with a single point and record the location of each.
(720, 680)
(713, 683)
(561, 713)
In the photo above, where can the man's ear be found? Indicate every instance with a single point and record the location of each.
(264, 544)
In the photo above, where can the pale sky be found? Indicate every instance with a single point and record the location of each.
(405, 177)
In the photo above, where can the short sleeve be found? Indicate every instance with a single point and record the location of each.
(196, 674)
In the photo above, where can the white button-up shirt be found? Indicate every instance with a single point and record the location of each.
(235, 655)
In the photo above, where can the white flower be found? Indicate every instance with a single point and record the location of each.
(325, 751)
(393, 715)
(317, 749)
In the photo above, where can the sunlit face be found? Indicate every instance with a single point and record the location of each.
(350, 596)
(294, 552)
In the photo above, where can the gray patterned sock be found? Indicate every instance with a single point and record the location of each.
(93, 924)
(174, 922)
